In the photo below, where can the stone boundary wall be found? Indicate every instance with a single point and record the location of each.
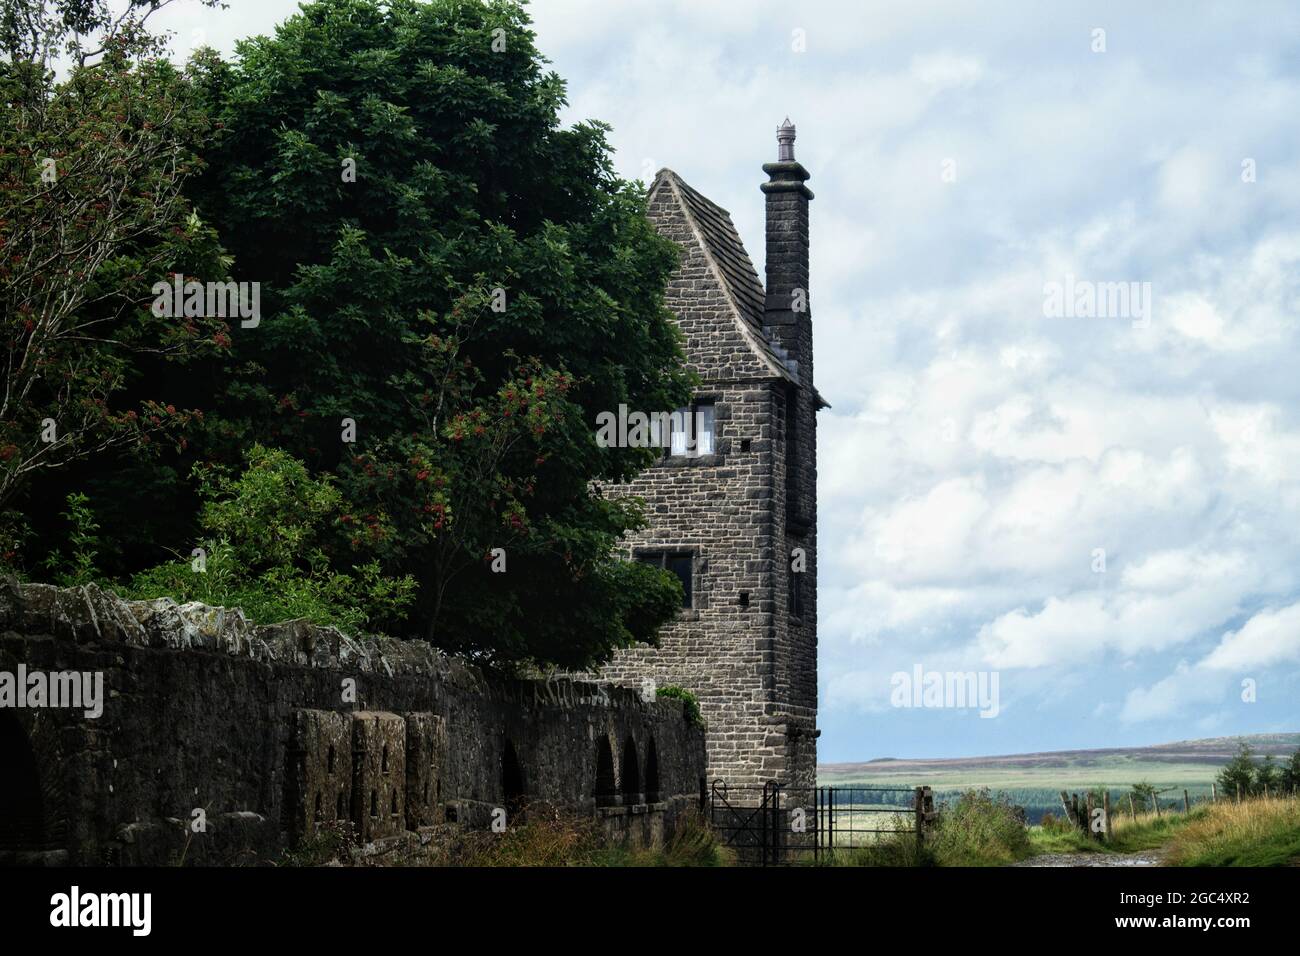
(274, 730)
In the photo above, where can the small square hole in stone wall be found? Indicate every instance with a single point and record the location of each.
(744, 599)
(745, 444)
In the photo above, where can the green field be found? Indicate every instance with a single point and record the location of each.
(1035, 780)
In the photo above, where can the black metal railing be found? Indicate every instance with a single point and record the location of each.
(774, 823)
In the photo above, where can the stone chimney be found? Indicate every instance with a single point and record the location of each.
(787, 308)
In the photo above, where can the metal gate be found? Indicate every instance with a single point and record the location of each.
(775, 824)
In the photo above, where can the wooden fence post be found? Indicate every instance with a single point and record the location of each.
(1105, 799)
(1155, 798)
(1132, 810)
(918, 811)
(1214, 792)
(1069, 812)
(1187, 803)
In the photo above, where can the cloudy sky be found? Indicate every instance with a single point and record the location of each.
(1102, 508)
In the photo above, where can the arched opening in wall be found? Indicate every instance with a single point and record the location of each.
(606, 791)
(22, 809)
(631, 772)
(512, 779)
(651, 772)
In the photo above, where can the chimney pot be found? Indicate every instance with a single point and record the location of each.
(785, 142)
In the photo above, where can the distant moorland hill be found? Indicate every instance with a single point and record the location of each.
(1036, 779)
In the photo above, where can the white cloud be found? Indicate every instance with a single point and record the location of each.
(978, 453)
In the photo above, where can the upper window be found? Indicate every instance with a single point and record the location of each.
(691, 431)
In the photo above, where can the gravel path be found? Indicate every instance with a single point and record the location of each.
(1145, 858)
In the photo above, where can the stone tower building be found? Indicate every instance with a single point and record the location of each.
(733, 512)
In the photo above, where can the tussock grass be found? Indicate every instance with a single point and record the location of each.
(1129, 834)
(1147, 831)
(544, 836)
(897, 848)
(1257, 832)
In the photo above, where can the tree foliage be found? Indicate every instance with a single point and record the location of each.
(452, 286)
(92, 168)
(273, 536)
(1238, 774)
(466, 303)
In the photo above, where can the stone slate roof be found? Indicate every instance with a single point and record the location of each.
(723, 246)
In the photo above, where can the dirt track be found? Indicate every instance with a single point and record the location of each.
(1145, 858)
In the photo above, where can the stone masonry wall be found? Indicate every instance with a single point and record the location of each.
(755, 677)
(250, 725)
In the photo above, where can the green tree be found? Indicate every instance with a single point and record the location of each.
(272, 538)
(465, 284)
(91, 216)
(1267, 776)
(1290, 777)
(1238, 775)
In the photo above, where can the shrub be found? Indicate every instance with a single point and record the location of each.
(270, 532)
(980, 830)
(690, 702)
(80, 568)
(1051, 823)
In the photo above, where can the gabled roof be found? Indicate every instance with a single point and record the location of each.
(721, 244)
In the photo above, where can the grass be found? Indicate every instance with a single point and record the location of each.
(1259, 832)
(976, 830)
(1128, 834)
(546, 837)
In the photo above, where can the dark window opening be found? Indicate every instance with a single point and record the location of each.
(631, 772)
(680, 563)
(512, 779)
(329, 768)
(374, 803)
(796, 593)
(338, 806)
(319, 814)
(383, 760)
(651, 773)
(394, 807)
(606, 792)
(22, 811)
